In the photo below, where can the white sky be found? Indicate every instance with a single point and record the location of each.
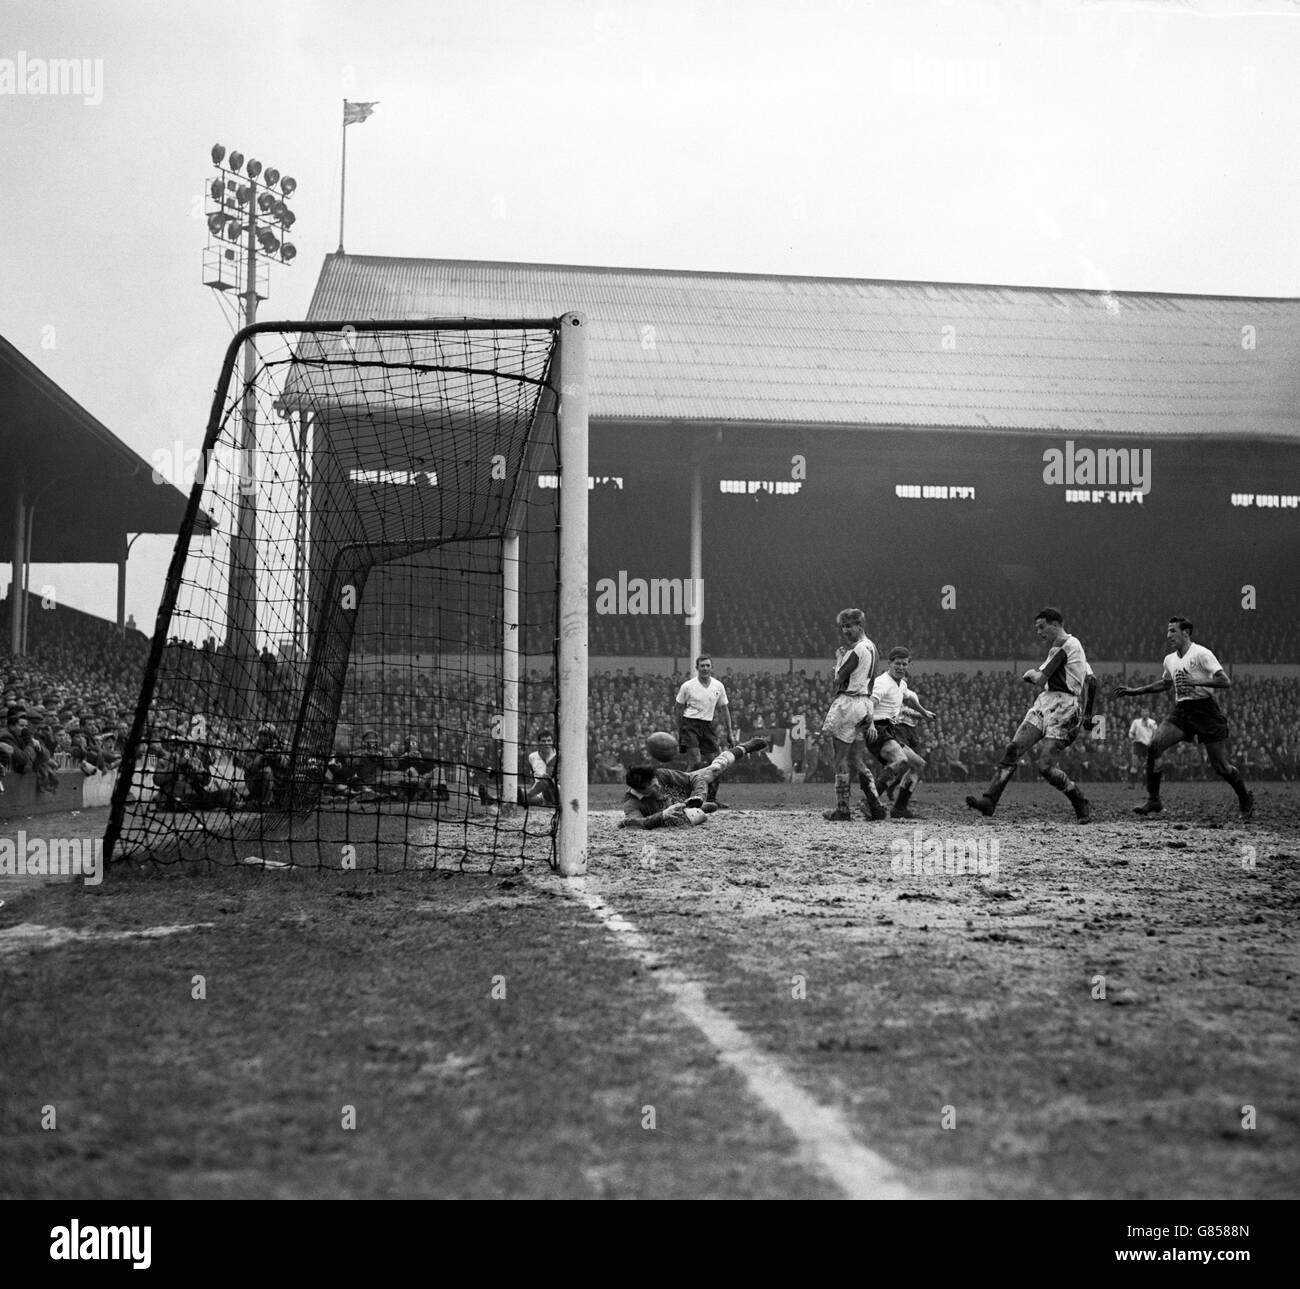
(1142, 146)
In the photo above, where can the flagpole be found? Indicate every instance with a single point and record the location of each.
(343, 179)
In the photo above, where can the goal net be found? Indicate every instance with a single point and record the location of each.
(359, 660)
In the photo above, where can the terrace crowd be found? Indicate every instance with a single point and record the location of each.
(77, 688)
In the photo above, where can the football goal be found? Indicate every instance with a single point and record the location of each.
(371, 650)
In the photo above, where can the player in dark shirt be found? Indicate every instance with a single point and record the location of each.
(660, 797)
(1054, 719)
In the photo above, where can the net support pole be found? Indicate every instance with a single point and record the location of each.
(124, 552)
(697, 555)
(17, 600)
(571, 769)
(509, 668)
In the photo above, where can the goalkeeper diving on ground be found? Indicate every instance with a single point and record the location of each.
(661, 797)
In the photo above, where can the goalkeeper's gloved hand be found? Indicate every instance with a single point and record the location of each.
(709, 807)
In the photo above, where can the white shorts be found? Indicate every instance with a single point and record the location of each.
(1055, 714)
(847, 713)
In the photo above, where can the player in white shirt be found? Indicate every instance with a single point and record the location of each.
(895, 711)
(696, 708)
(1053, 721)
(541, 764)
(1141, 730)
(849, 720)
(1193, 673)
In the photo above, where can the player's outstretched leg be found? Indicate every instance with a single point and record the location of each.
(905, 788)
(702, 779)
(1063, 783)
(843, 757)
(987, 803)
(1218, 754)
(872, 806)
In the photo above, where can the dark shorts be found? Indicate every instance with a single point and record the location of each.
(700, 734)
(906, 735)
(1140, 750)
(1200, 719)
(885, 731)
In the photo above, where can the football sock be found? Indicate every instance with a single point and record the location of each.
(1153, 780)
(842, 790)
(997, 785)
(868, 786)
(724, 761)
(1236, 782)
(1058, 779)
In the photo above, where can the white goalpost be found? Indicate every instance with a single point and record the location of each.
(572, 661)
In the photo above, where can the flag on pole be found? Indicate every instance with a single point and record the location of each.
(355, 113)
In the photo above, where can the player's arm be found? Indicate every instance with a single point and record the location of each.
(678, 709)
(913, 704)
(725, 708)
(848, 665)
(1220, 680)
(675, 815)
(633, 818)
(868, 723)
(1155, 687)
(1041, 675)
(1089, 700)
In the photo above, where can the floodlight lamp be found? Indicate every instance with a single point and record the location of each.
(242, 194)
(288, 184)
(265, 201)
(253, 169)
(288, 252)
(218, 191)
(236, 160)
(216, 223)
(234, 230)
(218, 152)
(272, 176)
(278, 208)
(288, 218)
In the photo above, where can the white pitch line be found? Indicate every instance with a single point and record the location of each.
(30, 935)
(822, 1132)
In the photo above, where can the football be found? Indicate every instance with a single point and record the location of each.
(661, 747)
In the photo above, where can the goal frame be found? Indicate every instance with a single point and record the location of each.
(569, 388)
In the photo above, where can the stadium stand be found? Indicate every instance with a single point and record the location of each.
(786, 612)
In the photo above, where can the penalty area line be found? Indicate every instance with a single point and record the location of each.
(822, 1132)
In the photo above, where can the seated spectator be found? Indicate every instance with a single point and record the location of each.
(421, 773)
(183, 778)
(266, 767)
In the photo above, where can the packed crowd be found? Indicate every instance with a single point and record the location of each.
(68, 705)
